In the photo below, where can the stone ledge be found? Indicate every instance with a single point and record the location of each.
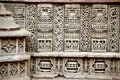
(16, 78)
(16, 57)
(77, 54)
(65, 1)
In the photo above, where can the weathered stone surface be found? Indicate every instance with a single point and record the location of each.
(77, 41)
(12, 58)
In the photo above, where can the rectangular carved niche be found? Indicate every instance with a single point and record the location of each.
(99, 67)
(44, 67)
(8, 45)
(72, 27)
(99, 45)
(72, 67)
(99, 27)
(45, 27)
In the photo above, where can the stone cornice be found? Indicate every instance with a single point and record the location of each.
(77, 54)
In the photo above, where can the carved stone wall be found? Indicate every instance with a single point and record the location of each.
(70, 40)
(69, 27)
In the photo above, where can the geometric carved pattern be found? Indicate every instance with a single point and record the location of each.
(71, 45)
(113, 28)
(44, 45)
(14, 69)
(72, 67)
(72, 27)
(85, 28)
(99, 45)
(60, 27)
(21, 45)
(10, 69)
(45, 27)
(100, 66)
(3, 70)
(8, 45)
(45, 65)
(22, 68)
(58, 33)
(31, 23)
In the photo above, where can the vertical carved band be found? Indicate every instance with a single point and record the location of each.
(31, 23)
(113, 28)
(85, 28)
(58, 33)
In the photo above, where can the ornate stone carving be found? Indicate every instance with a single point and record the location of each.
(81, 29)
(100, 66)
(31, 24)
(18, 10)
(58, 32)
(13, 69)
(22, 68)
(72, 66)
(72, 27)
(113, 29)
(85, 28)
(3, 70)
(99, 27)
(44, 67)
(8, 46)
(99, 45)
(45, 27)
(21, 46)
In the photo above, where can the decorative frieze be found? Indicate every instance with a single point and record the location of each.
(13, 70)
(12, 46)
(70, 40)
(67, 25)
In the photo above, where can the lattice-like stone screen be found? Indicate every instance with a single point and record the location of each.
(69, 27)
